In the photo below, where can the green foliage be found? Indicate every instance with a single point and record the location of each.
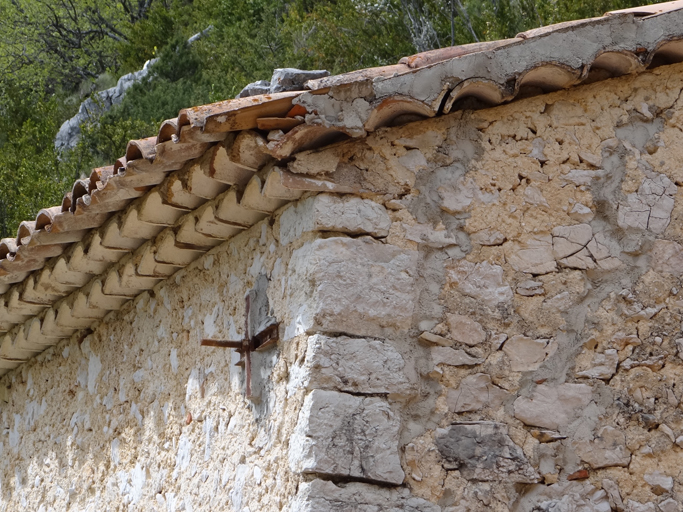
(31, 176)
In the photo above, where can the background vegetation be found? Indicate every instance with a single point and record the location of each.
(54, 53)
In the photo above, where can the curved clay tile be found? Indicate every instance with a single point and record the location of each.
(618, 63)
(550, 77)
(99, 177)
(453, 52)
(46, 216)
(486, 91)
(237, 114)
(80, 188)
(8, 247)
(168, 130)
(142, 148)
(386, 111)
(25, 232)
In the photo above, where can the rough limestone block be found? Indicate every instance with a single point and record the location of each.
(572, 496)
(481, 281)
(483, 450)
(603, 366)
(667, 257)
(465, 330)
(606, 450)
(453, 357)
(659, 482)
(325, 496)
(326, 212)
(553, 407)
(532, 254)
(354, 365)
(346, 436)
(474, 393)
(527, 354)
(354, 286)
(650, 207)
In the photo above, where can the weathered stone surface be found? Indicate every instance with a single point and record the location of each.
(430, 338)
(530, 288)
(572, 496)
(669, 505)
(326, 212)
(453, 357)
(659, 482)
(426, 234)
(458, 197)
(635, 506)
(532, 254)
(581, 213)
(255, 88)
(481, 281)
(482, 450)
(583, 177)
(603, 366)
(354, 286)
(465, 330)
(553, 407)
(325, 496)
(606, 450)
(569, 246)
(474, 393)
(667, 257)
(612, 490)
(346, 436)
(534, 196)
(283, 79)
(600, 252)
(527, 354)
(292, 79)
(488, 237)
(650, 207)
(354, 365)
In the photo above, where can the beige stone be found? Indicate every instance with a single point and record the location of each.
(553, 407)
(667, 257)
(532, 254)
(602, 366)
(527, 354)
(428, 235)
(465, 330)
(530, 288)
(612, 490)
(659, 482)
(649, 208)
(488, 237)
(354, 365)
(606, 450)
(581, 213)
(353, 286)
(346, 436)
(326, 212)
(474, 393)
(482, 281)
(453, 357)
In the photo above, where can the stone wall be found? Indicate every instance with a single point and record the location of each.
(542, 366)
(492, 323)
